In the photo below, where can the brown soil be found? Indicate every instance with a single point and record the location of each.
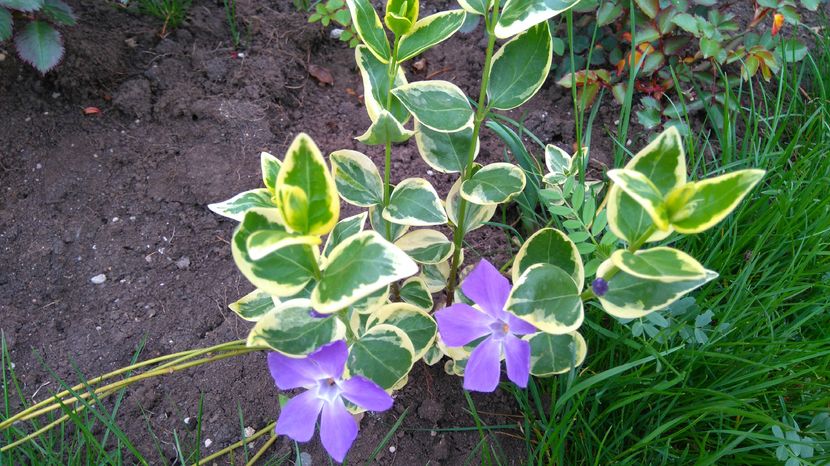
(124, 193)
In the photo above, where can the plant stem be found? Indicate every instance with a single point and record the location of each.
(391, 74)
(481, 114)
(225, 451)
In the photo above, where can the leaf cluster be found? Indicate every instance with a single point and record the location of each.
(32, 25)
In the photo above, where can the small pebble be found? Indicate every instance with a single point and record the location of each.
(98, 279)
(305, 459)
(183, 263)
(336, 33)
(208, 443)
(392, 449)
(187, 420)
(249, 431)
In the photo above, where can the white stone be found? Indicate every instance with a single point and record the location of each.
(98, 279)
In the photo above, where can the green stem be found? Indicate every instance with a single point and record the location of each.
(391, 74)
(481, 113)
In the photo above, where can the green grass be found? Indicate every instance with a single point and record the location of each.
(642, 400)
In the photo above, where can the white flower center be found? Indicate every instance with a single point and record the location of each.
(328, 389)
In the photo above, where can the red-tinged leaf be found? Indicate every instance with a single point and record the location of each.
(40, 45)
(92, 111)
(321, 74)
(777, 23)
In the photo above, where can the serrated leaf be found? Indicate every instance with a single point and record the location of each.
(439, 105)
(414, 291)
(39, 45)
(357, 267)
(292, 330)
(59, 12)
(547, 297)
(22, 5)
(235, 207)
(368, 26)
(555, 354)
(520, 15)
(662, 264)
(429, 32)
(414, 202)
(494, 184)
(550, 246)
(376, 86)
(357, 178)
(475, 215)
(415, 322)
(711, 200)
(445, 152)
(384, 354)
(345, 228)
(426, 246)
(520, 67)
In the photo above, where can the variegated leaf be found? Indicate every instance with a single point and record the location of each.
(520, 67)
(345, 228)
(368, 304)
(380, 225)
(292, 329)
(235, 207)
(357, 178)
(555, 354)
(270, 166)
(445, 152)
(385, 129)
(660, 263)
(357, 267)
(639, 188)
(550, 246)
(253, 306)
(475, 215)
(494, 184)
(264, 242)
(304, 170)
(414, 202)
(436, 275)
(376, 86)
(384, 354)
(428, 32)
(476, 7)
(559, 164)
(440, 105)
(426, 246)
(367, 24)
(415, 322)
(520, 15)
(547, 297)
(414, 291)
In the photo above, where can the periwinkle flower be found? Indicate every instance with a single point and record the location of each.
(599, 286)
(461, 324)
(321, 373)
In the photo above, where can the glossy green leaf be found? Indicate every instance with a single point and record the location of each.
(631, 297)
(711, 200)
(550, 246)
(643, 191)
(426, 246)
(357, 267)
(494, 184)
(39, 45)
(445, 152)
(555, 354)
(384, 354)
(292, 330)
(261, 243)
(357, 178)
(270, 167)
(304, 170)
(662, 264)
(345, 228)
(414, 291)
(235, 207)
(475, 215)
(401, 15)
(22, 5)
(282, 273)
(429, 32)
(663, 162)
(547, 297)
(59, 12)
(439, 105)
(414, 202)
(253, 306)
(415, 322)
(520, 67)
(367, 24)
(385, 129)
(376, 86)
(521, 15)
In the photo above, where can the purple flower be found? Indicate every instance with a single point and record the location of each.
(322, 374)
(461, 324)
(599, 286)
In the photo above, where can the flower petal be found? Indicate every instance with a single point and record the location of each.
(484, 367)
(291, 373)
(366, 394)
(519, 326)
(517, 358)
(487, 287)
(338, 429)
(299, 416)
(331, 358)
(460, 324)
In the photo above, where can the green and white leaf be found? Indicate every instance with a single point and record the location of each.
(547, 297)
(642, 190)
(384, 354)
(426, 246)
(385, 129)
(284, 272)
(235, 207)
(439, 105)
(304, 170)
(357, 178)
(474, 217)
(264, 242)
(555, 354)
(445, 152)
(712, 200)
(521, 15)
(370, 303)
(379, 224)
(367, 24)
(433, 355)
(414, 202)
(357, 267)
(663, 162)
(291, 330)
(494, 184)
(631, 297)
(662, 264)
(520, 67)
(415, 292)
(559, 163)
(376, 86)
(550, 246)
(436, 275)
(415, 322)
(345, 228)
(428, 32)
(270, 167)
(253, 306)
(476, 7)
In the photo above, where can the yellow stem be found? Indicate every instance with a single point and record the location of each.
(238, 444)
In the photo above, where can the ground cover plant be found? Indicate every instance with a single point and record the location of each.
(32, 25)
(347, 309)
